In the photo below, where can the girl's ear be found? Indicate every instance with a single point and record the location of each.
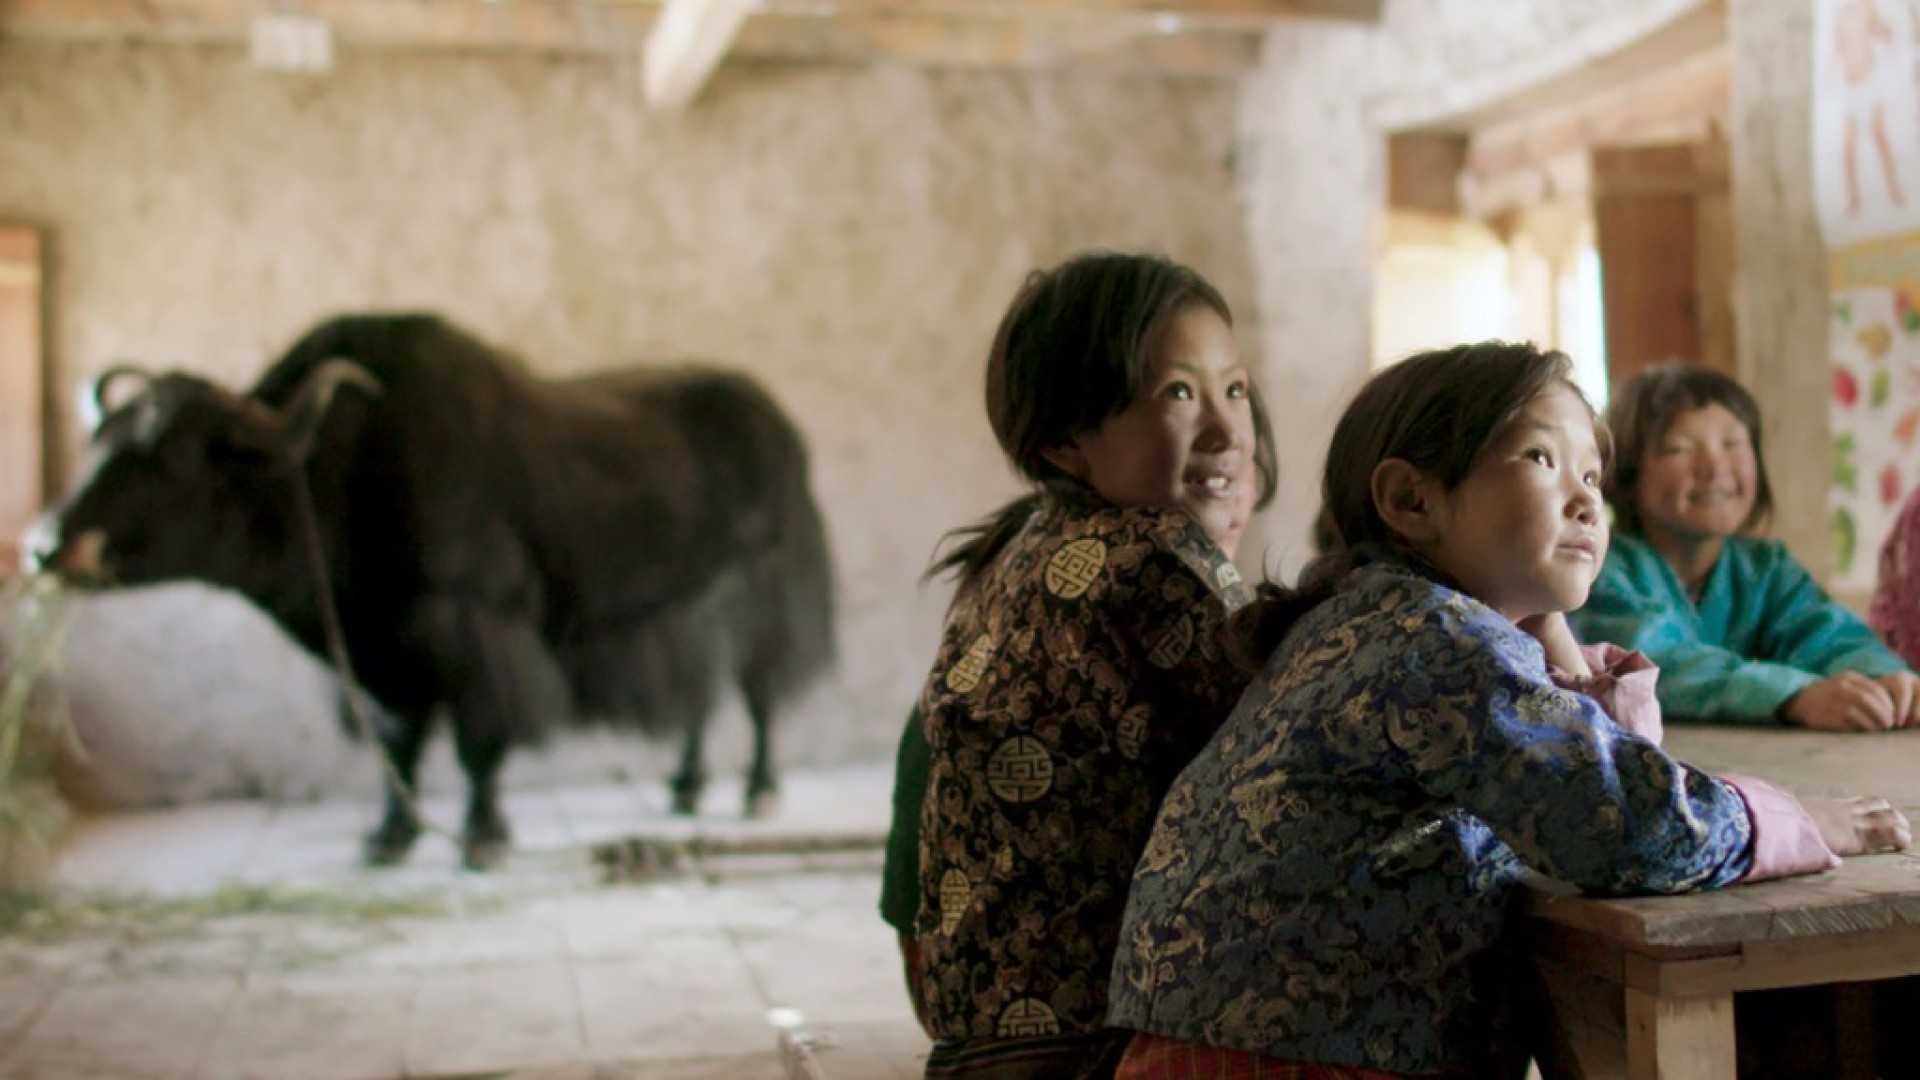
(1403, 496)
(1068, 459)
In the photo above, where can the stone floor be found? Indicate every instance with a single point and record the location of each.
(243, 940)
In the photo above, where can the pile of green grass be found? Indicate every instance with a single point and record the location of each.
(43, 915)
(33, 726)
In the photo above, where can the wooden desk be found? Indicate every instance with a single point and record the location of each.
(1644, 987)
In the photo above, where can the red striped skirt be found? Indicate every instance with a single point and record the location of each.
(1155, 1057)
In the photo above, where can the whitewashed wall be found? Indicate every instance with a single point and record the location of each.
(850, 235)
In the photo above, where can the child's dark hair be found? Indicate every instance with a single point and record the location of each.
(1070, 352)
(1646, 406)
(1438, 411)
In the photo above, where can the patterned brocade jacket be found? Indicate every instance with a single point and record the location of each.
(1329, 880)
(1075, 676)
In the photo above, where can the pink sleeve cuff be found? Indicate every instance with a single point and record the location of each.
(1785, 839)
(1623, 683)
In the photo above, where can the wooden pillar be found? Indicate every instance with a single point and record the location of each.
(22, 376)
(1713, 254)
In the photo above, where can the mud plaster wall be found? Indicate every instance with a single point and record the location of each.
(850, 235)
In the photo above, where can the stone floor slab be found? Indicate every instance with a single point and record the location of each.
(845, 974)
(542, 964)
(631, 920)
(767, 1066)
(469, 1020)
(308, 1027)
(675, 1004)
(511, 936)
(25, 990)
(137, 1028)
(133, 852)
(873, 1050)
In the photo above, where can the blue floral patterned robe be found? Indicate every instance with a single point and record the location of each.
(1329, 879)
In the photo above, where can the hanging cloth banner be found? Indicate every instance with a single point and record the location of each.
(1866, 183)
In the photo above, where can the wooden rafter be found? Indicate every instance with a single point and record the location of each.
(1196, 37)
(1685, 97)
(1243, 14)
(429, 23)
(940, 42)
(686, 44)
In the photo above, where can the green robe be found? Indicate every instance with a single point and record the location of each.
(1762, 630)
(900, 875)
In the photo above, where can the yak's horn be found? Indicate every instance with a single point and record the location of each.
(94, 407)
(311, 401)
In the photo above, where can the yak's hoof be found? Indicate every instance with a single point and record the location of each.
(480, 855)
(686, 800)
(485, 841)
(388, 845)
(763, 804)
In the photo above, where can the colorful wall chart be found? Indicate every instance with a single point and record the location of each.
(1875, 410)
(1866, 173)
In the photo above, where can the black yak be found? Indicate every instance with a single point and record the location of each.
(519, 551)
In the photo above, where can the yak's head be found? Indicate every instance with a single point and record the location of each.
(184, 479)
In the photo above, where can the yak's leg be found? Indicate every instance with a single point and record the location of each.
(691, 778)
(763, 786)
(503, 686)
(486, 835)
(403, 737)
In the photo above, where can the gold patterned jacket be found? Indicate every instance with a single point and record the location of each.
(1076, 675)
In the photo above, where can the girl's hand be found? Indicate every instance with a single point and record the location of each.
(1904, 688)
(1848, 701)
(1859, 826)
(1556, 637)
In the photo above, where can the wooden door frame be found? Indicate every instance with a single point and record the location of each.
(23, 383)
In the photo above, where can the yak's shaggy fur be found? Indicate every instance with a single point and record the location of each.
(519, 551)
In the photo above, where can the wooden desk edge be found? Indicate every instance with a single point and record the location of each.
(1868, 893)
(1700, 971)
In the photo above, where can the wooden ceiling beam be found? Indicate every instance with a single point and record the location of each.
(936, 42)
(686, 44)
(1682, 103)
(1229, 14)
(159, 14)
(623, 28)
(378, 23)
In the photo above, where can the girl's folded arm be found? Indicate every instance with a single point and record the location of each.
(1786, 840)
(1576, 795)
